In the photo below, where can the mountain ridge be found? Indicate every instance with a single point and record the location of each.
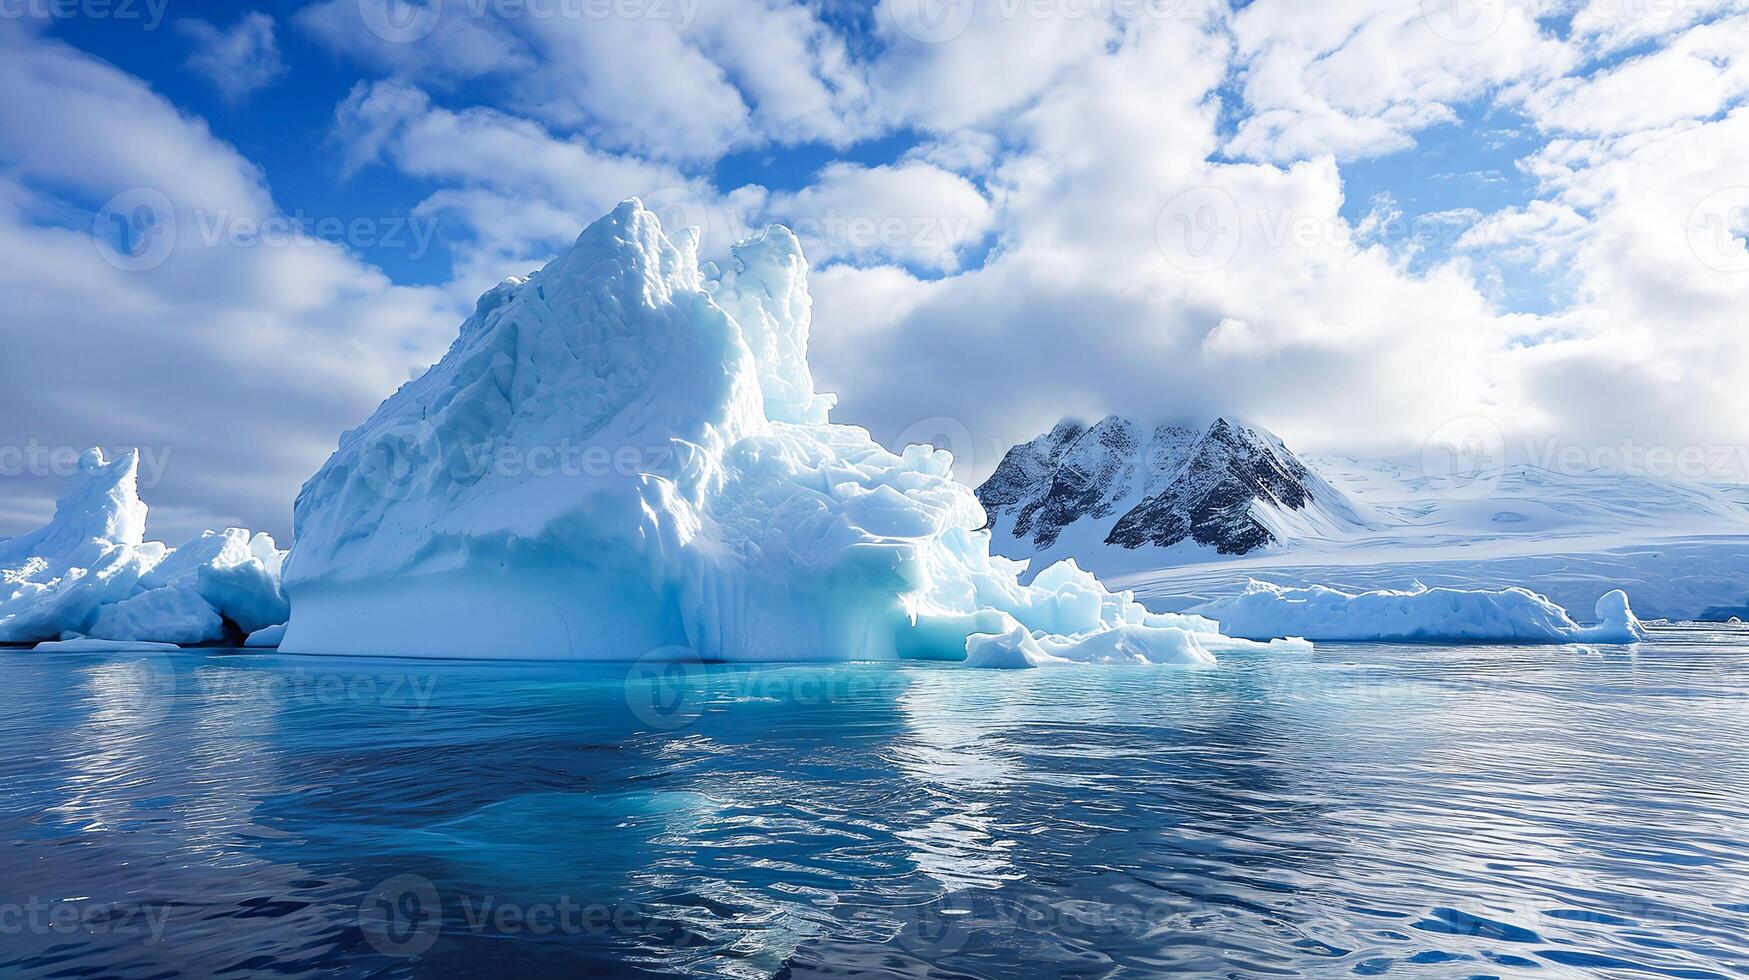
(1232, 487)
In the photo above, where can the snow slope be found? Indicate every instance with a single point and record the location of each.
(1117, 497)
(1681, 550)
(90, 571)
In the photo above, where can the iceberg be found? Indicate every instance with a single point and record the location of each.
(91, 572)
(236, 573)
(618, 458)
(84, 644)
(268, 636)
(171, 614)
(1511, 615)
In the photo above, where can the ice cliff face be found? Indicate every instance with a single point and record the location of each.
(1081, 490)
(90, 571)
(617, 459)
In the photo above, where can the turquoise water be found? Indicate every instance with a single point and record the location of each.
(1360, 810)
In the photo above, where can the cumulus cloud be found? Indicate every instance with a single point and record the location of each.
(236, 365)
(913, 213)
(1695, 76)
(675, 80)
(1361, 78)
(239, 60)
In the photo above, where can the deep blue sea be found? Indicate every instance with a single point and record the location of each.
(1356, 811)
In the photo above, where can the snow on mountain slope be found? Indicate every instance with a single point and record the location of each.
(90, 570)
(1116, 497)
(1681, 550)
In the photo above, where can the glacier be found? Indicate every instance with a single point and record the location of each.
(90, 574)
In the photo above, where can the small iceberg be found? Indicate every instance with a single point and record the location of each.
(267, 637)
(90, 571)
(86, 644)
(1514, 615)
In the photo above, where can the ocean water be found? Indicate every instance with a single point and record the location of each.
(1360, 810)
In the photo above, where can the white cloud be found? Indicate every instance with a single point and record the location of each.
(445, 50)
(990, 58)
(1699, 73)
(681, 81)
(239, 60)
(913, 213)
(1607, 26)
(519, 192)
(243, 364)
(1360, 78)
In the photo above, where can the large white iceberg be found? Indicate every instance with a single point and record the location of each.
(619, 459)
(1421, 614)
(91, 572)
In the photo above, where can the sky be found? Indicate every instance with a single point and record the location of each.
(229, 230)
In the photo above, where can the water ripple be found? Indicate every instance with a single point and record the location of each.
(1359, 810)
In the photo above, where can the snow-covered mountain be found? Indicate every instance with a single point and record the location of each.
(1119, 496)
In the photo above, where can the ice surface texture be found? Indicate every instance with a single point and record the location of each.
(90, 571)
(617, 459)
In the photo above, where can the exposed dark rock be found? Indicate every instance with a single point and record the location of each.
(1199, 486)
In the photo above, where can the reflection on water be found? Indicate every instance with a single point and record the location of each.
(1356, 810)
